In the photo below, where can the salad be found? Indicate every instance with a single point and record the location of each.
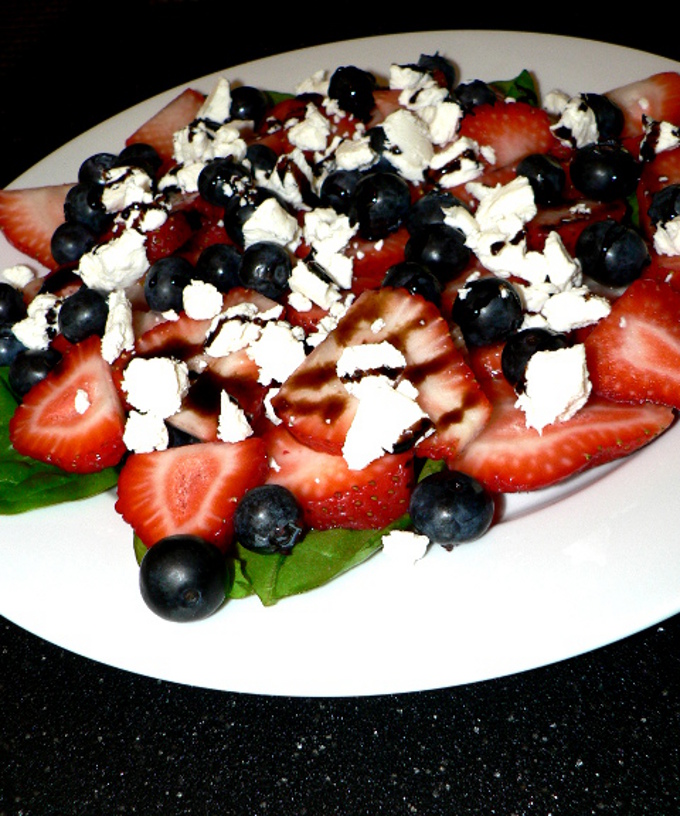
(291, 330)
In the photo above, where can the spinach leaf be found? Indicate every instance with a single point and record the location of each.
(521, 88)
(26, 484)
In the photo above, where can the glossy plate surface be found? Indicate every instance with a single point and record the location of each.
(566, 571)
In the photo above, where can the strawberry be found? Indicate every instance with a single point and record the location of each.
(634, 353)
(330, 494)
(570, 220)
(508, 457)
(159, 129)
(372, 259)
(49, 424)
(659, 172)
(182, 337)
(189, 489)
(512, 129)
(319, 410)
(29, 217)
(656, 96)
(169, 238)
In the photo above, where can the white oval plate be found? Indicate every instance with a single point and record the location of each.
(566, 571)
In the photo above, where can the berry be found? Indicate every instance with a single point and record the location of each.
(142, 155)
(221, 180)
(92, 170)
(451, 508)
(439, 67)
(487, 310)
(416, 278)
(546, 176)
(248, 103)
(429, 209)
(520, 347)
(70, 241)
(441, 248)
(665, 204)
(612, 253)
(473, 93)
(261, 158)
(29, 367)
(83, 205)
(165, 282)
(604, 171)
(10, 345)
(12, 306)
(337, 189)
(239, 208)
(608, 115)
(82, 314)
(266, 267)
(379, 204)
(184, 578)
(268, 519)
(219, 264)
(353, 88)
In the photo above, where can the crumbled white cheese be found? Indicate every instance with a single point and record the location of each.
(270, 221)
(145, 432)
(119, 333)
(557, 386)
(278, 351)
(35, 331)
(407, 147)
(458, 162)
(369, 357)
(17, 276)
(307, 288)
(577, 124)
(156, 385)
(233, 425)
(115, 264)
(662, 136)
(404, 548)
(312, 132)
(667, 237)
(82, 401)
(217, 104)
(355, 153)
(124, 186)
(202, 300)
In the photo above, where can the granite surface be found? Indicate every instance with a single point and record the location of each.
(596, 734)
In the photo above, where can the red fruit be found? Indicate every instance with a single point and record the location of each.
(319, 410)
(570, 220)
(508, 457)
(29, 217)
(48, 426)
(169, 238)
(190, 489)
(634, 353)
(513, 129)
(182, 338)
(159, 129)
(330, 494)
(657, 96)
(372, 259)
(662, 170)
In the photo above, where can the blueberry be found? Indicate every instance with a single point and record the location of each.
(261, 158)
(184, 578)
(473, 93)
(337, 189)
(379, 204)
(352, 88)
(219, 264)
(665, 204)
(265, 267)
(142, 155)
(239, 209)
(248, 103)
(612, 253)
(546, 176)
(70, 241)
(438, 66)
(429, 209)
(604, 171)
(83, 205)
(29, 367)
(416, 278)
(519, 348)
(487, 310)
(223, 180)
(165, 282)
(451, 508)
(608, 115)
(10, 345)
(83, 314)
(441, 248)
(92, 170)
(12, 305)
(268, 519)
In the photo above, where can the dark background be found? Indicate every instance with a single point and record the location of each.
(598, 734)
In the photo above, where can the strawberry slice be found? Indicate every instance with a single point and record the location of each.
(330, 494)
(29, 217)
(661, 171)
(190, 489)
(656, 96)
(509, 457)
(634, 353)
(169, 238)
(180, 337)
(569, 220)
(74, 417)
(318, 409)
(159, 129)
(512, 129)
(372, 259)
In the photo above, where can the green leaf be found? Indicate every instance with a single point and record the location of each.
(522, 88)
(26, 484)
(320, 557)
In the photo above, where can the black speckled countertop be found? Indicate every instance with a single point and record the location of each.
(596, 734)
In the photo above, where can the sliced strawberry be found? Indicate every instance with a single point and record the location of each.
(330, 494)
(656, 96)
(662, 170)
(159, 129)
(569, 220)
(319, 410)
(169, 238)
(74, 417)
(372, 259)
(508, 457)
(29, 217)
(512, 129)
(189, 489)
(634, 353)
(182, 337)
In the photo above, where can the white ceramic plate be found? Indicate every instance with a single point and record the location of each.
(565, 572)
